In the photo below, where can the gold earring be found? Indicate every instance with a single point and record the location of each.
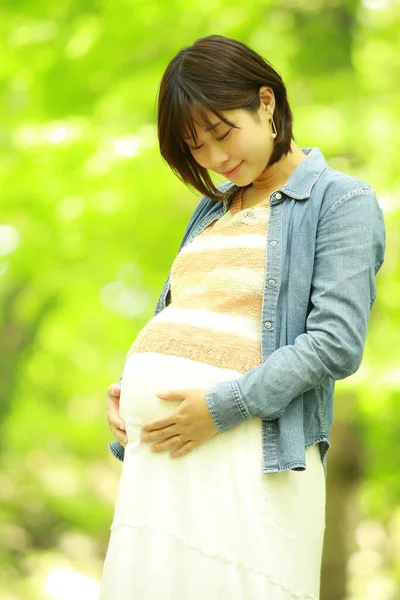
(275, 133)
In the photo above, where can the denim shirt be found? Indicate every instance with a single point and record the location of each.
(325, 244)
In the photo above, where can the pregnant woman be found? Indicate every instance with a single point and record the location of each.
(222, 491)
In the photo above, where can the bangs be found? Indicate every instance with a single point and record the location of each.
(190, 111)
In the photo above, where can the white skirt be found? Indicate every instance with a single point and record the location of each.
(208, 525)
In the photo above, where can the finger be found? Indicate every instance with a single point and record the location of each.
(120, 435)
(116, 427)
(113, 416)
(123, 441)
(185, 449)
(159, 434)
(120, 425)
(114, 390)
(171, 394)
(165, 422)
(169, 444)
(115, 420)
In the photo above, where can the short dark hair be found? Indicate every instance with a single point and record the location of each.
(215, 73)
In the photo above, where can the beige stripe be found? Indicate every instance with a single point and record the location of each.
(240, 258)
(228, 351)
(245, 304)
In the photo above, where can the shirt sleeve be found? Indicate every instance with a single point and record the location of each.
(117, 450)
(350, 247)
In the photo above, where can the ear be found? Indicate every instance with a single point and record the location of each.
(267, 99)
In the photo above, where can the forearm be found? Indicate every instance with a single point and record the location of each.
(266, 390)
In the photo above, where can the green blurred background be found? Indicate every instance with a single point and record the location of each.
(91, 219)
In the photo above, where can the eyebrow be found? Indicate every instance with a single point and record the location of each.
(210, 128)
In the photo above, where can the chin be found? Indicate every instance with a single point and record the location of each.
(242, 179)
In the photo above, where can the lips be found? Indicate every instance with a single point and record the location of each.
(231, 170)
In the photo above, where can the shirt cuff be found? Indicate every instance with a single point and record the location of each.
(226, 406)
(117, 450)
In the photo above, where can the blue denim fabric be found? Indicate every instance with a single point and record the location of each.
(325, 244)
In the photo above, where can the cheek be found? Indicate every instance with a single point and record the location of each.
(245, 144)
(253, 146)
(200, 158)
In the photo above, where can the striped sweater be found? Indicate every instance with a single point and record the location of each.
(217, 283)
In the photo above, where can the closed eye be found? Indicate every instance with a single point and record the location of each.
(219, 139)
(225, 135)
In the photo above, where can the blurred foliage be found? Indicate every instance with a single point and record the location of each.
(91, 219)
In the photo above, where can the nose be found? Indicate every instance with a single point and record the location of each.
(217, 158)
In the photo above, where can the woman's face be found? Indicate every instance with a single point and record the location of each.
(224, 147)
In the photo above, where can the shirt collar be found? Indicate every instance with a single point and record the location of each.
(303, 178)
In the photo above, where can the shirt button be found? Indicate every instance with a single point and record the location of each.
(274, 243)
(268, 324)
(278, 196)
(275, 212)
(271, 282)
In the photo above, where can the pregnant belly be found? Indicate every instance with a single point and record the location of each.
(149, 372)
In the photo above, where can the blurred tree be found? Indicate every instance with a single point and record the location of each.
(91, 221)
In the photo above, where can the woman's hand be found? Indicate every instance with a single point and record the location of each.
(191, 421)
(115, 422)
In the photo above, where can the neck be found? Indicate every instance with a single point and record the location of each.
(277, 174)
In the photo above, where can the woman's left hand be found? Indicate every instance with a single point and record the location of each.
(191, 421)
